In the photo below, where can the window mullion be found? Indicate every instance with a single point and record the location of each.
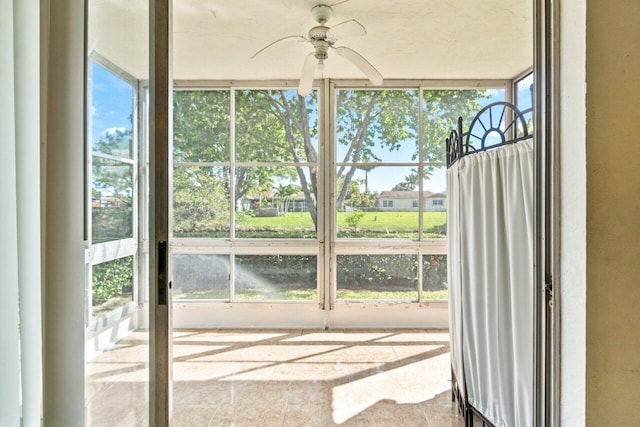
(420, 186)
(232, 188)
(329, 169)
(232, 161)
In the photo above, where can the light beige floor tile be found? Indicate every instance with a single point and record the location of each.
(123, 394)
(283, 377)
(236, 336)
(207, 371)
(299, 371)
(390, 414)
(339, 336)
(417, 336)
(441, 416)
(260, 393)
(193, 416)
(442, 399)
(120, 415)
(241, 415)
(194, 393)
(310, 393)
(194, 352)
(422, 351)
(124, 354)
(267, 353)
(312, 416)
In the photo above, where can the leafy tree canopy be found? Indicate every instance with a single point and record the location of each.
(278, 126)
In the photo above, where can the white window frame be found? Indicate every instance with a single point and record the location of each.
(232, 245)
(99, 253)
(194, 313)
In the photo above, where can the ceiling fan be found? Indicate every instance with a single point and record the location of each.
(324, 38)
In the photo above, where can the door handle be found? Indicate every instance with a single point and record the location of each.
(162, 272)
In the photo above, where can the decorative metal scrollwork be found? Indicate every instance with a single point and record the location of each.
(497, 124)
(454, 144)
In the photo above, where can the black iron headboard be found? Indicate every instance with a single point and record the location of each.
(497, 124)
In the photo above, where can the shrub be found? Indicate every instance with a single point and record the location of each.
(352, 219)
(112, 279)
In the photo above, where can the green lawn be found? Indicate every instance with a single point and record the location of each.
(371, 224)
(299, 225)
(395, 221)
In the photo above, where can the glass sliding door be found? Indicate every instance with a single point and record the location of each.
(260, 218)
(245, 183)
(116, 297)
(389, 209)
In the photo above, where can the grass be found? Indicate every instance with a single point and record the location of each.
(372, 224)
(311, 295)
(373, 295)
(395, 221)
(370, 221)
(300, 225)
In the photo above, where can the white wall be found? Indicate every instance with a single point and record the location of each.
(571, 283)
(63, 320)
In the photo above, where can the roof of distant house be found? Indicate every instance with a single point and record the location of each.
(408, 195)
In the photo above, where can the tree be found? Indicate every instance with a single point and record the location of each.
(200, 202)
(358, 199)
(275, 126)
(284, 193)
(112, 187)
(280, 126)
(410, 182)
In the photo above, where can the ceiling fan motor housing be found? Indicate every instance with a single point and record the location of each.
(318, 37)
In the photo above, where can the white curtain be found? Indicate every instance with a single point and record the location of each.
(494, 288)
(20, 244)
(453, 272)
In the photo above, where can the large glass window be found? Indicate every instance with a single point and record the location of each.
(112, 187)
(112, 155)
(116, 253)
(276, 277)
(390, 181)
(523, 89)
(245, 167)
(269, 164)
(434, 277)
(377, 277)
(248, 187)
(201, 277)
(112, 285)
(376, 150)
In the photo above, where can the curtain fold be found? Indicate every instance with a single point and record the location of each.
(495, 289)
(453, 273)
(20, 237)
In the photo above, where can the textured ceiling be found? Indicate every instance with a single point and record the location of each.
(421, 39)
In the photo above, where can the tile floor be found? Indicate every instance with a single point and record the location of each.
(282, 378)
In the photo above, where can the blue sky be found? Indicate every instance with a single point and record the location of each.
(112, 108)
(112, 102)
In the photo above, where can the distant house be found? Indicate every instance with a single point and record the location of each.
(270, 200)
(109, 202)
(407, 201)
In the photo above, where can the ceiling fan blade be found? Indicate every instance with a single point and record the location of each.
(350, 28)
(278, 41)
(308, 72)
(364, 65)
(338, 3)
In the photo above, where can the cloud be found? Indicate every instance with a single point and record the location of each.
(113, 131)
